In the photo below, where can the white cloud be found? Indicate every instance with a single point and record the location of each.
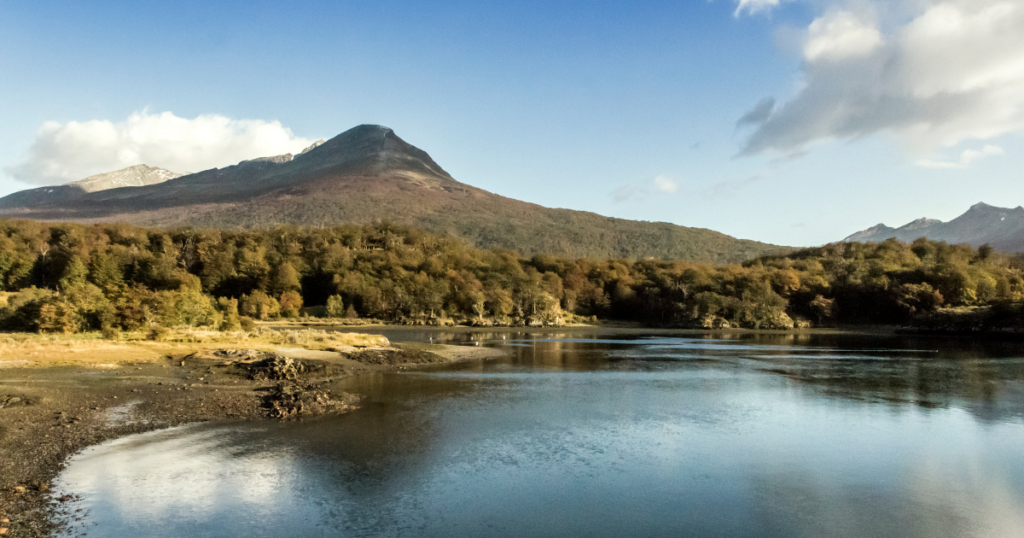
(966, 158)
(932, 73)
(665, 184)
(74, 150)
(838, 36)
(754, 6)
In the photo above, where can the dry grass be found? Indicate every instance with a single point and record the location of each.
(37, 350)
(90, 349)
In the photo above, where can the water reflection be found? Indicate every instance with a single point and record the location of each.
(660, 435)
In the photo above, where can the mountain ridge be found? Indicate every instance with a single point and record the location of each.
(138, 175)
(368, 173)
(1001, 228)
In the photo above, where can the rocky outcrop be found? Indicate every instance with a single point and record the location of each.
(291, 399)
(139, 175)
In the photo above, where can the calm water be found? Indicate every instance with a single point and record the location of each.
(603, 435)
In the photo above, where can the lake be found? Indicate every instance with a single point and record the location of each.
(601, 434)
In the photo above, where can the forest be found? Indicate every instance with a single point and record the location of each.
(68, 278)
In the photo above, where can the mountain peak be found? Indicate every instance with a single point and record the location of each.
(313, 146)
(998, 226)
(134, 176)
(879, 229)
(373, 150)
(919, 224)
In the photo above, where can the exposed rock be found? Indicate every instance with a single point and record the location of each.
(313, 146)
(393, 356)
(9, 401)
(293, 400)
(276, 159)
(275, 368)
(139, 175)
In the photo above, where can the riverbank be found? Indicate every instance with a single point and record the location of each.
(60, 394)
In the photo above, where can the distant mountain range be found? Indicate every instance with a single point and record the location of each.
(139, 175)
(369, 174)
(1001, 228)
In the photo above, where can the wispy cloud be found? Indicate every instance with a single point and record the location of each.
(754, 6)
(734, 186)
(625, 192)
(933, 73)
(665, 184)
(70, 151)
(661, 184)
(759, 114)
(966, 158)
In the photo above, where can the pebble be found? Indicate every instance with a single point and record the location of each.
(3, 530)
(5, 520)
(19, 490)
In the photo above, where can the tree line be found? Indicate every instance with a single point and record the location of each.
(60, 277)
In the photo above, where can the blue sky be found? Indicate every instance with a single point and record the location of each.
(627, 109)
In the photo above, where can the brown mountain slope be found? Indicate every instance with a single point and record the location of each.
(368, 173)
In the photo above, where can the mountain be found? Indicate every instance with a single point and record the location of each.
(1001, 228)
(369, 174)
(139, 175)
(134, 176)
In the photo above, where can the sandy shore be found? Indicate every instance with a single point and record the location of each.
(57, 399)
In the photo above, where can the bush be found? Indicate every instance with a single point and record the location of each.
(335, 306)
(248, 324)
(57, 317)
(110, 332)
(157, 333)
(259, 305)
(229, 309)
(291, 303)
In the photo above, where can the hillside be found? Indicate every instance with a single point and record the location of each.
(139, 175)
(1001, 228)
(369, 174)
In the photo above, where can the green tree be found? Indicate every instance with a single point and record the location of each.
(230, 319)
(75, 273)
(286, 278)
(335, 306)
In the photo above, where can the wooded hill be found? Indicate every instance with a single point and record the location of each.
(369, 174)
(74, 277)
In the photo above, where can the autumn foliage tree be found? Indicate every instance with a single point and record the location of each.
(71, 277)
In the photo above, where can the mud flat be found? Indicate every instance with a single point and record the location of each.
(59, 395)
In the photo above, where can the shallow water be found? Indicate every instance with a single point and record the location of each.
(606, 435)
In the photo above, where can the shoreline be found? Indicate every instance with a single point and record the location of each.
(88, 391)
(51, 411)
